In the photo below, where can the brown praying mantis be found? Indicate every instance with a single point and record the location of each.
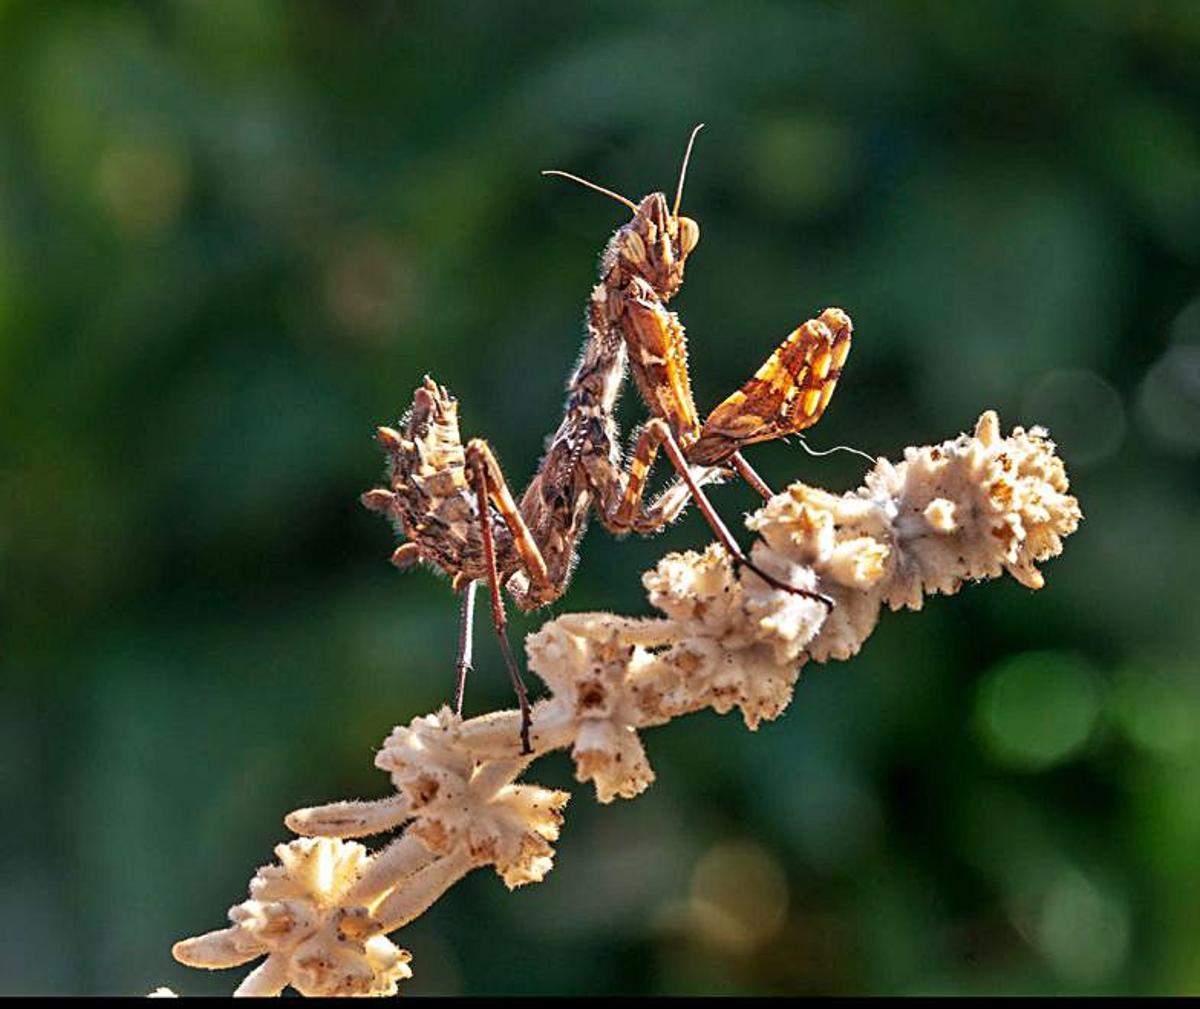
(453, 503)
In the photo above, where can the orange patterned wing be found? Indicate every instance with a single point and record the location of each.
(787, 394)
(658, 359)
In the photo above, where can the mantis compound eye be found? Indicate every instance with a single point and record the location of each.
(632, 247)
(689, 235)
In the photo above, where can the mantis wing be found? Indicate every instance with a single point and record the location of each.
(787, 394)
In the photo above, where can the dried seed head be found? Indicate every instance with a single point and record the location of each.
(295, 917)
(970, 508)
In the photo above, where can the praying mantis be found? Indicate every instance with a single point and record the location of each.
(453, 503)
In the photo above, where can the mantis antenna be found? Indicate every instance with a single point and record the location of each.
(591, 185)
(683, 169)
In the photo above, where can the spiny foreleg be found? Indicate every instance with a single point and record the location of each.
(658, 359)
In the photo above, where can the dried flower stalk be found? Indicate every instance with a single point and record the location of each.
(968, 509)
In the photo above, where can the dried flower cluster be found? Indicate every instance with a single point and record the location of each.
(967, 509)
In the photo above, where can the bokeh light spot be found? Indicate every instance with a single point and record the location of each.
(1037, 709)
(1185, 327)
(833, 815)
(739, 896)
(803, 164)
(1082, 930)
(1156, 712)
(141, 183)
(1083, 412)
(367, 285)
(1169, 400)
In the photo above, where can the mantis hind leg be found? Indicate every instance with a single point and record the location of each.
(491, 488)
(466, 644)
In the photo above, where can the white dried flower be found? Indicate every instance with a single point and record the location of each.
(970, 508)
(298, 917)
(605, 686)
(459, 802)
(967, 509)
(737, 641)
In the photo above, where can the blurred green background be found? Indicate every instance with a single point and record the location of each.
(233, 237)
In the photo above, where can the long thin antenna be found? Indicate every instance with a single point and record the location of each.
(683, 169)
(591, 185)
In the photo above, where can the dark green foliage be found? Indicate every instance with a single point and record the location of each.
(233, 237)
